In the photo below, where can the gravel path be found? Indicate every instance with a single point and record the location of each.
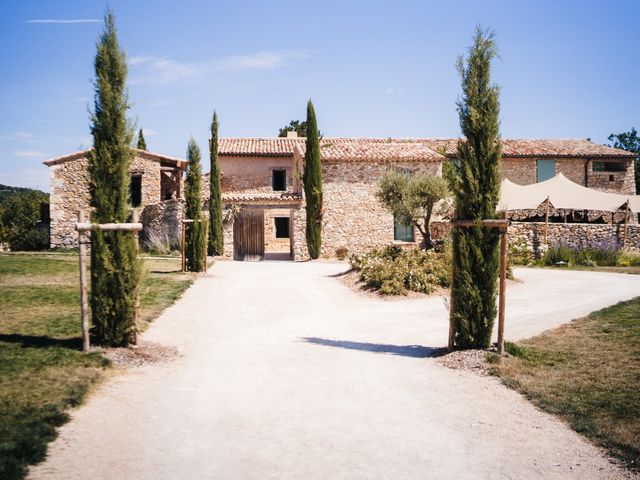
(286, 373)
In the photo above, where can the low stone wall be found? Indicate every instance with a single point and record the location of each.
(161, 224)
(573, 235)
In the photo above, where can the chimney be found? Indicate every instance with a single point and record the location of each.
(292, 134)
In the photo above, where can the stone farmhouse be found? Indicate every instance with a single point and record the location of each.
(263, 195)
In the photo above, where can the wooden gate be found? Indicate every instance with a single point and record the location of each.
(248, 235)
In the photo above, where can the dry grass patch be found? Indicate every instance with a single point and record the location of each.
(588, 373)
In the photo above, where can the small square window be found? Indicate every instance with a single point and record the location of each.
(402, 232)
(282, 227)
(279, 180)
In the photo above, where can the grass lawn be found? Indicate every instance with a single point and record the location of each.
(588, 373)
(42, 370)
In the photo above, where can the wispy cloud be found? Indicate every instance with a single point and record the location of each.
(19, 137)
(391, 90)
(64, 20)
(30, 154)
(80, 142)
(162, 70)
(147, 132)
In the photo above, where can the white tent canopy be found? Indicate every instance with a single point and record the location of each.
(563, 194)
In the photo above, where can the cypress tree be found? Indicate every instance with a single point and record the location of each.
(312, 180)
(114, 266)
(216, 235)
(476, 186)
(142, 145)
(196, 232)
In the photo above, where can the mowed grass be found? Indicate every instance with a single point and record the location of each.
(588, 373)
(42, 370)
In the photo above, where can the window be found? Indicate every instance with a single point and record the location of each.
(545, 169)
(282, 227)
(402, 232)
(609, 167)
(279, 180)
(135, 190)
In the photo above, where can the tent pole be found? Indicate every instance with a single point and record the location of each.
(546, 224)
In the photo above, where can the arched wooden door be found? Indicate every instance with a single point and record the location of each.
(248, 235)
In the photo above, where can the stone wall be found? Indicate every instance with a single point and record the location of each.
(353, 217)
(161, 224)
(249, 174)
(573, 235)
(523, 171)
(70, 193)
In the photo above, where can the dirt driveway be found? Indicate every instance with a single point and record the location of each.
(287, 374)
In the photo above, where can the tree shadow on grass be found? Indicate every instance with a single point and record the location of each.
(32, 341)
(413, 351)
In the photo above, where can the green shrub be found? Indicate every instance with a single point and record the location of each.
(395, 271)
(605, 257)
(30, 240)
(556, 255)
(629, 258)
(519, 252)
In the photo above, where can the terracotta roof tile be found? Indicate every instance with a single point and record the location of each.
(414, 148)
(274, 146)
(142, 153)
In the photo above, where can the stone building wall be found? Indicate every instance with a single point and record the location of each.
(161, 224)
(353, 217)
(252, 174)
(70, 193)
(271, 243)
(523, 171)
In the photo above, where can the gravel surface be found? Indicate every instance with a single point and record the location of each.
(141, 354)
(285, 373)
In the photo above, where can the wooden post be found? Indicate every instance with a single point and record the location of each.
(184, 257)
(546, 224)
(503, 289)
(624, 229)
(136, 317)
(84, 301)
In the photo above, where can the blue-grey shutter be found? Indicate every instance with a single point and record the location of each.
(546, 169)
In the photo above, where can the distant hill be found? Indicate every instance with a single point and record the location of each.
(7, 191)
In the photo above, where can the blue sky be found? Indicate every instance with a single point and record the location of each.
(568, 69)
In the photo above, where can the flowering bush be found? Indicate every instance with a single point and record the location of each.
(395, 271)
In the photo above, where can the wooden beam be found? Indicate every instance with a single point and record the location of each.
(108, 227)
(493, 223)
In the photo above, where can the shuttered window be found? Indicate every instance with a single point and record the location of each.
(545, 169)
(402, 232)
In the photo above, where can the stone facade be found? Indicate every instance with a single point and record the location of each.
(252, 174)
(523, 171)
(353, 218)
(161, 224)
(70, 189)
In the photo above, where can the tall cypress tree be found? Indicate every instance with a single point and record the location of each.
(142, 145)
(216, 235)
(476, 186)
(196, 232)
(114, 266)
(312, 180)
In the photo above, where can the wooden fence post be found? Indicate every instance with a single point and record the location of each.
(503, 283)
(84, 301)
(184, 258)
